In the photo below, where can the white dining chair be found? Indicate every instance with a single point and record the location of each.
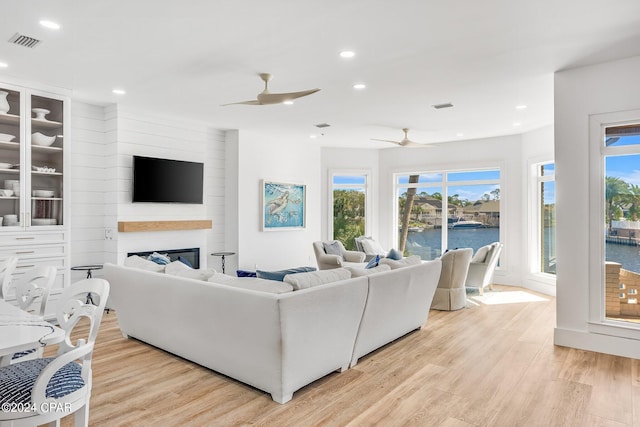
(7, 267)
(32, 289)
(52, 388)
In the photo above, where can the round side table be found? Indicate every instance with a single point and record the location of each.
(88, 269)
(222, 255)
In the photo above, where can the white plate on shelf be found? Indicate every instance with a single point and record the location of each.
(43, 193)
(5, 137)
(5, 165)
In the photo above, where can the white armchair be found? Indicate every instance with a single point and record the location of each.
(483, 265)
(369, 246)
(333, 255)
(451, 293)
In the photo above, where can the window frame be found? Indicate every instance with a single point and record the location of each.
(598, 322)
(444, 184)
(535, 219)
(368, 199)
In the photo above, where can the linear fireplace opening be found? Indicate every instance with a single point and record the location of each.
(192, 255)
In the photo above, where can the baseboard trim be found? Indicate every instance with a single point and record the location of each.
(599, 343)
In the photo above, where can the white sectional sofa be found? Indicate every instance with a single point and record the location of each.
(276, 342)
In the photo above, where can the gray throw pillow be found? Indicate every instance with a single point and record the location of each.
(332, 248)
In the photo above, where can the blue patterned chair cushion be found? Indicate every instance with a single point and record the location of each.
(22, 354)
(17, 380)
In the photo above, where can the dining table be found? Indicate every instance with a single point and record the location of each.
(21, 331)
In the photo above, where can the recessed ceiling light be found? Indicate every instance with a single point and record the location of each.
(459, 134)
(521, 107)
(50, 24)
(288, 102)
(359, 86)
(3, 65)
(119, 91)
(313, 136)
(517, 124)
(347, 54)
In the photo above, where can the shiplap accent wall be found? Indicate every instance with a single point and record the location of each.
(87, 173)
(104, 141)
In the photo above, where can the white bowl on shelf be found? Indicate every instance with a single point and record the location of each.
(42, 139)
(43, 193)
(6, 193)
(5, 137)
(40, 113)
(5, 165)
(9, 183)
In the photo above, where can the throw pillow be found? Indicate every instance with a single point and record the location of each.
(359, 272)
(246, 273)
(251, 283)
(159, 258)
(481, 254)
(314, 278)
(185, 261)
(411, 260)
(175, 267)
(202, 274)
(373, 262)
(332, 248)
(372, 247)
(144, 264)
(279, 274)
(394, 254)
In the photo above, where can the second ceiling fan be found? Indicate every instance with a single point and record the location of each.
(267, 98)
(405, 142)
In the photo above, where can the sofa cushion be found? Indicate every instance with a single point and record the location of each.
(190, 273)
(279, 274)
(481, 254)
(252, 283)
(315, 278)
(144, 264)
(370, 246)
(332, 248)
(394, 254)
(176, 266)
(410, 260)
(359, 272)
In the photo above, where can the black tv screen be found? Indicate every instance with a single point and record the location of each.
(167, 181)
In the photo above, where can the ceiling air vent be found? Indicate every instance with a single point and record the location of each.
(445, 105)
(322, 125)
(26, 41)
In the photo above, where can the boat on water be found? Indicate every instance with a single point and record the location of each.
(466, 224)
(416, 229)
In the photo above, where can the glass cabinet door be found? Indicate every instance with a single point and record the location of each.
(11, 157)
(46, 158)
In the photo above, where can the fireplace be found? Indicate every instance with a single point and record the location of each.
(191, 254)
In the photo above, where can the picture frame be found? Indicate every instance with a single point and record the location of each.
(284, 206)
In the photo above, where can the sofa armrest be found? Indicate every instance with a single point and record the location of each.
(327, 261)
(354, 256)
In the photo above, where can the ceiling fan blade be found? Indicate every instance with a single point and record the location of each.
(415, 144)
(242, 103)
(278, 98)
(386, 140)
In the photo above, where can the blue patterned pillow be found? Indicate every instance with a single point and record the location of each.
(159, 258)
(279, 275)
(394, 254)
(374, 262)
(18, 379)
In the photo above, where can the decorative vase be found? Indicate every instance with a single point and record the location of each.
(4, 104)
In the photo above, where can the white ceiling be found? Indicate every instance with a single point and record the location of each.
(186, 58)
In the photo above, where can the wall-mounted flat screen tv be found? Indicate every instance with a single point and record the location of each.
(167, 181)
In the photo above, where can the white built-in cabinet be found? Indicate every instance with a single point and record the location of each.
(34, 146)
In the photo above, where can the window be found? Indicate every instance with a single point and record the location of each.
(349, 201)
(621, 206)
(545, 221)
(441, 210)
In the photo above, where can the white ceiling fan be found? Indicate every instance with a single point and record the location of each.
(267, 98)
(405, 142)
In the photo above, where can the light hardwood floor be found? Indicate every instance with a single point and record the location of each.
(488, 365)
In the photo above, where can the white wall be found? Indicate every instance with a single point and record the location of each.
(272, 159)
(580, 93)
